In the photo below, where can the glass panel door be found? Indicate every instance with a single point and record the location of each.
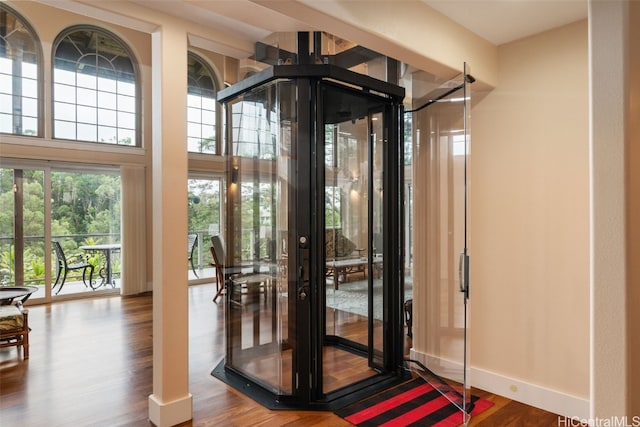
(79, 210)
(353, 217)
(348, 292)
(22, 228)
(442, 175)
(85, 221)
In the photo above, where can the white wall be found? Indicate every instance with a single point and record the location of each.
(530, 224)
(614, 58)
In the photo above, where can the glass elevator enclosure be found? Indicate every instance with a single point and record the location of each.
(313, 240)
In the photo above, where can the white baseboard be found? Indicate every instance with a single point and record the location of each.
(531, 394)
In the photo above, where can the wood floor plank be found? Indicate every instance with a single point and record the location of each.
(91, 365)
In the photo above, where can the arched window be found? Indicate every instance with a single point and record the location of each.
(20, 103)
(201, 107)
(95, 88)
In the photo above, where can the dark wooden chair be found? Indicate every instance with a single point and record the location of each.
(77, 262)
(14, 327)
(191, 248)
(220, 286)
(232, 275)
(218, 255)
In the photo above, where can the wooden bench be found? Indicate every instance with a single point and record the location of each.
(342, 268)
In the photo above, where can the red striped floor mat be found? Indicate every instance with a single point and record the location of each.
(414, 403)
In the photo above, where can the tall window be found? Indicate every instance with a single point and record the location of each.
(95, 89)
(201, 107)
(19, 69)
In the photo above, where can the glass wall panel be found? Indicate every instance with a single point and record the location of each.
(256, 248)
(204, 221)
(22, 228)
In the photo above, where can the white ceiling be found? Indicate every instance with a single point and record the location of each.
(499, 21)
(503, 21)
(243, 19)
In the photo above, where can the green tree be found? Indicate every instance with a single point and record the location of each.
(82, 204)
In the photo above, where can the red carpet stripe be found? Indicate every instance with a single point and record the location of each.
(388, 404)
(417, 413)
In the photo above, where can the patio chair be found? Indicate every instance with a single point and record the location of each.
(77, 262)
(191, 248)
(14, 327)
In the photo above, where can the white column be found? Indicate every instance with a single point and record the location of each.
(134, 236)
(607, 39)
(171, 402)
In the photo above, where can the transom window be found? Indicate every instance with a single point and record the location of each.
(95, 89)
(201, 107)
(19, 69)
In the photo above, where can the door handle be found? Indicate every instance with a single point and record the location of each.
(303, 267)
(463, 273)
(302, 281)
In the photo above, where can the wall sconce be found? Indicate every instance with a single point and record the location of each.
(234, 175)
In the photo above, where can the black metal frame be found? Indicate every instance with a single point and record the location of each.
(316, 71)
(306, 224)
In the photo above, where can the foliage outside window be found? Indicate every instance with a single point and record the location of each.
(204, 208)
(85, 209)
(86, 204)
(330, 141)
(32, 225)
(333, 207)
(408, 140)
(201, 107)
(19, 69)
(94, 89)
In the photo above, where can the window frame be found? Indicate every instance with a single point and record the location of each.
(137, 81)
(40, 120)
(217, 125)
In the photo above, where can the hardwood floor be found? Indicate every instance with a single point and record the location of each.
(91, 365)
